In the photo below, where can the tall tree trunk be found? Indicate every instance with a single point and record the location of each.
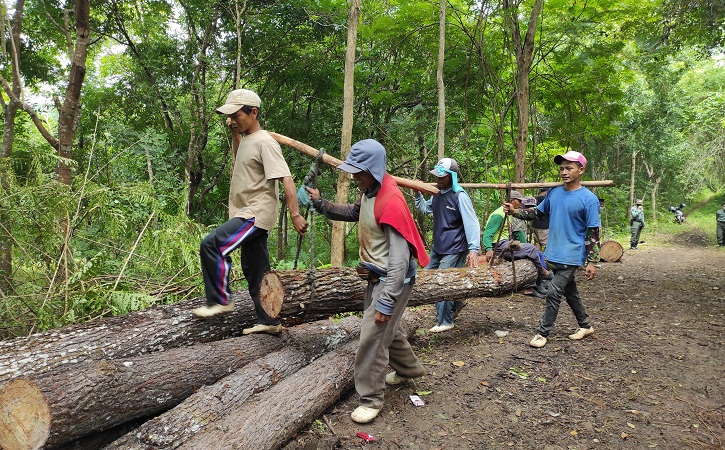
(10, 111)
(524, 51)
(199, 126)
(70, 111)
(118, 19)
(439, 79)
(655, 186)
(238, 13)
(337, 245)
(650, 169)
(631, 179)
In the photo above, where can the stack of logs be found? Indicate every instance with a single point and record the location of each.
(172, 381)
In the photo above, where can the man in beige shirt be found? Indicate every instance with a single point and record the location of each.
(253, 193)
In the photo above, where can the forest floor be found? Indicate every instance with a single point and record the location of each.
(651, 376)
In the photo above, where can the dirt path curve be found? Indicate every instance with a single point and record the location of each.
(650, 377)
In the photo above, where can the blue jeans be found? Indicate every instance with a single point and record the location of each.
(444, 308)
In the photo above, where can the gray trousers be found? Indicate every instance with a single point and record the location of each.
(563, 283)
(721, 234)
(635, 229)
(380, 345)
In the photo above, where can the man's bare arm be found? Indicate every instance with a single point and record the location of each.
(290, 193)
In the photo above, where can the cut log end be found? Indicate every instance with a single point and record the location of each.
(271, 294)
(24, 416)
(611, 251)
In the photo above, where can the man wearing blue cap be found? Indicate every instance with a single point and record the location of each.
(573, 241)
(390, 244)
(456, 232)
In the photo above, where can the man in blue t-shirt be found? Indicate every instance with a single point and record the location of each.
(573, 242)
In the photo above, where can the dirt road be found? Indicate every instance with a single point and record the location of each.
(650, 377)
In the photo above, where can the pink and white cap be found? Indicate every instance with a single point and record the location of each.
(571, 155)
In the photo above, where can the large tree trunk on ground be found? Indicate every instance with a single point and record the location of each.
(95, 396)
(302, 296)
(155, 329)
(274, 416)
(337, 241)
(212, 403)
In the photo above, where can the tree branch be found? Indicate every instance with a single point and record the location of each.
(39, 123)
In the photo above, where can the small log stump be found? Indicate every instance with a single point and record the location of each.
(611, 251)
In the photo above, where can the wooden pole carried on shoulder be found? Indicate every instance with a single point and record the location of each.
(418, 185)
(546, 184)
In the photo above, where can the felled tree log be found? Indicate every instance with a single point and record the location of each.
(302, 296)
(272, 417)
(94, 396)
(611, 251)
(156, 329)
(211, 403)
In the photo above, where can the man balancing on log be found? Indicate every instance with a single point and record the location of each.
(389, 246)
(573, 241)
(456, 232)
(253, 193)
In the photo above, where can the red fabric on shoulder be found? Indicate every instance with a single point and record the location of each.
(392, 209)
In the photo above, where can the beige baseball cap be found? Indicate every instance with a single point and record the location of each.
(238, 98)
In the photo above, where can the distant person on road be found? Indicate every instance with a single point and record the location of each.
(253, 192)
(636, 224)
(456, 233)
(720, 217)
(573, 241)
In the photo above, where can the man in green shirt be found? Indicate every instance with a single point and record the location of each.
(495, 223)
(720, 216)
(636, 223)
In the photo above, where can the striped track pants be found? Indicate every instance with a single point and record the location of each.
(216, 262)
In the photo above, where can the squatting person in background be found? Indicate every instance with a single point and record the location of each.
(389, 246)
(253, 193)
(456, 232)
(495, 224)
(573, 241)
